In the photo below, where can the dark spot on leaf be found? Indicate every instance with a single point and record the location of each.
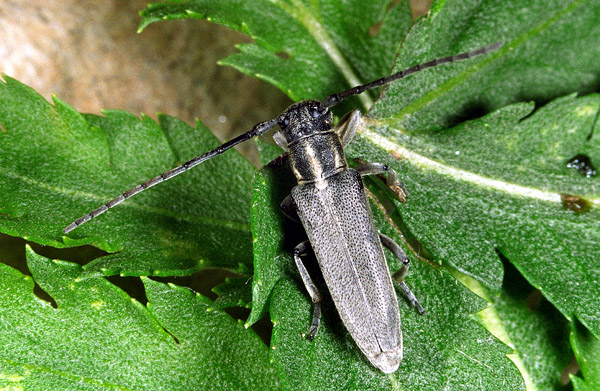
(533, 300)
(571, 369)
(575, 203)
(374, 29)
(583, 164)
(284, 55)
(396, 155)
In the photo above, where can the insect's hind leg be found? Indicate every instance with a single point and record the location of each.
(313, 292)
(400, 274)
(392, 177)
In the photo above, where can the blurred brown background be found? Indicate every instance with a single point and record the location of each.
(89, 54)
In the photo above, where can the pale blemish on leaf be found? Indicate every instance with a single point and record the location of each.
(584, 111)
(11, 378)
(98, 304)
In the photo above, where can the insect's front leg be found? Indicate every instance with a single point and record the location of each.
(346, 128)
(400, 274)
(392, 177)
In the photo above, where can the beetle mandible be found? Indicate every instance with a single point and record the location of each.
(331, 203)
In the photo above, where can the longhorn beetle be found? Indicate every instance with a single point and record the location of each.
(332, 205)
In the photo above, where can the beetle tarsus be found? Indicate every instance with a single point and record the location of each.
(316, 321)
(313, 292)
(391, 177)
(411, 297)
(399, 276)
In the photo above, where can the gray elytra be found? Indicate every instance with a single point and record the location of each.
(331, 203)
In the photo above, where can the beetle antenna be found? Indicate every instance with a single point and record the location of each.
(257, 130)
(334, 99)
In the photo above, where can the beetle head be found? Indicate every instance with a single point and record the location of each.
(303, 119)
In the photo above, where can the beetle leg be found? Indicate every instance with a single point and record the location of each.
(280, 140)
(392, 177)
(313, 292)
(400, 274)
(288, 207)
(347, 126)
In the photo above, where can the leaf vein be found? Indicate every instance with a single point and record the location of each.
(466, 176)
(75, 377)
(461, 77)
(319, 33)
(101, 199)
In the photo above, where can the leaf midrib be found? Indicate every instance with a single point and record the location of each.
(513, 189)
(102, 199)
(313, 26)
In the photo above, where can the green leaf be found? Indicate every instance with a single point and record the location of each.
(496, 184)
(550, 49)
(308, 49)
(529, 324)
(88, 160)
(234, 292)
(500, 194)
(98, 338)
(587, 352)
(272, 245)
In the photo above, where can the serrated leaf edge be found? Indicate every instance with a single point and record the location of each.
(443, 88)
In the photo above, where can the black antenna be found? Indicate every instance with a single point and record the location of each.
(257, 130)
(263, 127)
(334, 99)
